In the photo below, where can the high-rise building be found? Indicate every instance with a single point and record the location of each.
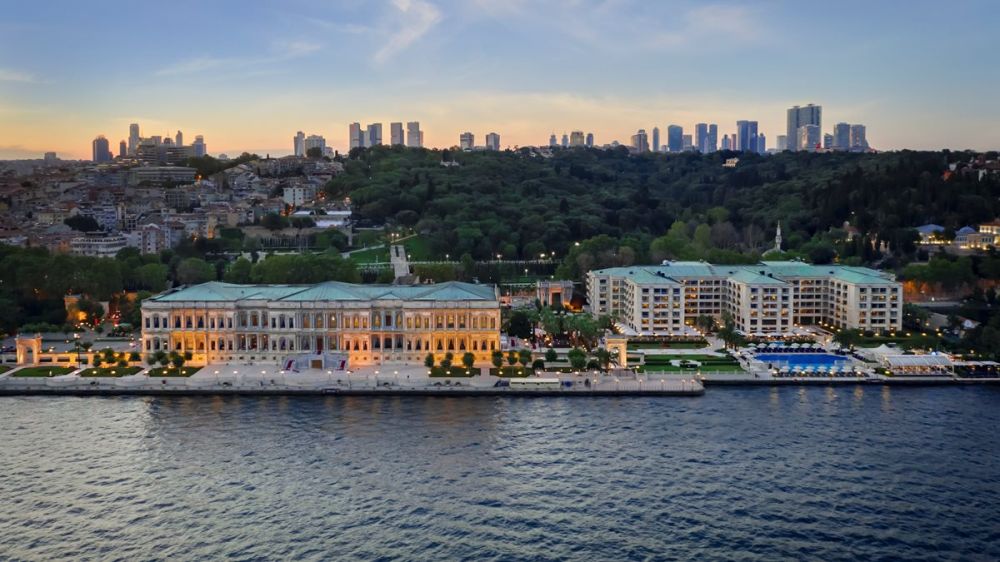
(101, 152)
(576, 138)
(799, 117)
(675, 138)
(859, 138)
(374, 135)
(122, 149)
(590, 140)
(782, 143)
(467, 141)
(133, 138)
(761, 144)
(687, 143)
(553, 141)
(51, 158)
(713, 138)
(701, 137)
(179, 139)
(827, 141)
(640, 141)
(746, 136)
(198, 147)
(355, 135)
(396, 134)
(565, 140)
(727, 144)
(314, 141)
(808, 138)
(656, 139)
(299, 143)
(841, 136)
(414, 136)
(492, 141)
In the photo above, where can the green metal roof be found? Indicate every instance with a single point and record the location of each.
(766, 272)
(329, 291)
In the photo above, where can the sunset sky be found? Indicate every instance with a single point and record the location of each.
(248, 75)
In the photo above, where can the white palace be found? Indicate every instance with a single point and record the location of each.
(769, 298)
(369, 324)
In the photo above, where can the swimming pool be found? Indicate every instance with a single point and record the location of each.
(802, 359)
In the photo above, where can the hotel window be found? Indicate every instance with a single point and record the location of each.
(187, 322)
(388, 320)
(376, 320)
(333, 321)
(438, 322)
(305, 321)
(147, 321)
(229, 324)
(409, 322)
(201, 322)
(399, 319)
(318, 321)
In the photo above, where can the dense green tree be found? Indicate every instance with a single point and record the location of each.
(192, 271)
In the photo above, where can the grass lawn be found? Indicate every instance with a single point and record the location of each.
(669, 345)
(512, 372)
(4, 369)
(661, 363)
(416, 247)
(110, 372)
(903, 341)
(43, 371)
(173, 372)
(454, 371)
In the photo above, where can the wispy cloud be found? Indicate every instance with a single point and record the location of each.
(8, 75)
(282, 51)
(415, 19)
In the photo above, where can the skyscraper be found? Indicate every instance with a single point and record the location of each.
(761, 144)
(299, 144)
(808, 138)
(179, 139)
(859, 138)
(841, 136)
(590, 140)
(576, 138)
(198, 147)
(687, 142)
(122, 149)
(99, 148)
(640, 141)
(713, 138)
(675, 138)
(746, 136)
(492, 141)
(414, 136)
(782, 143)
(355, 136)
(374, 135)
(133, 138)
(396, 134)
(467, 141)
(656, 139)
(799, 117)
(314, 141)
(701, 137)
(827, 141)
(727, 144)
(565, 140)
(553, 141)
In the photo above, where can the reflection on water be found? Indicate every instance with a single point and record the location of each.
(741, 473)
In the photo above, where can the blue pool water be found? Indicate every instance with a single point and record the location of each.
(802, 359)
(806, 473)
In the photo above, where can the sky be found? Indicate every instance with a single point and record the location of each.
(247, 75)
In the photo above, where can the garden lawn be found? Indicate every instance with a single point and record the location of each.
(4, 369)
(110, 371)
(173, 371)
(43, 371)
(667, 345)
(454, 371)
(512, 372)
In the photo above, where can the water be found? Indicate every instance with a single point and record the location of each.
(757, 473)
(802, 359)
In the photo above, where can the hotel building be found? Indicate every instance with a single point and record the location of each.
(370, 324)
(770, 298)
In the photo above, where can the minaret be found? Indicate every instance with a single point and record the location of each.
(777, 239)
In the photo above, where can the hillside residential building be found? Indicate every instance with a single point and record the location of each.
(769, 298)
(370, 324)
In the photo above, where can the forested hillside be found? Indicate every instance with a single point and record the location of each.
(659, 206)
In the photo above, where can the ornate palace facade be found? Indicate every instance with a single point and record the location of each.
(371, 324)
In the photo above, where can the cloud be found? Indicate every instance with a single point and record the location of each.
(416, 18)
(8, 75)
(282, 51)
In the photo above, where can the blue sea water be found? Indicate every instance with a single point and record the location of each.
(802, 359)
(807, 473)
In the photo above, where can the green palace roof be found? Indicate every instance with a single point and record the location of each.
(763, 272)
(328, 291)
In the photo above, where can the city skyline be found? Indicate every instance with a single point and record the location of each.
(881, 71)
